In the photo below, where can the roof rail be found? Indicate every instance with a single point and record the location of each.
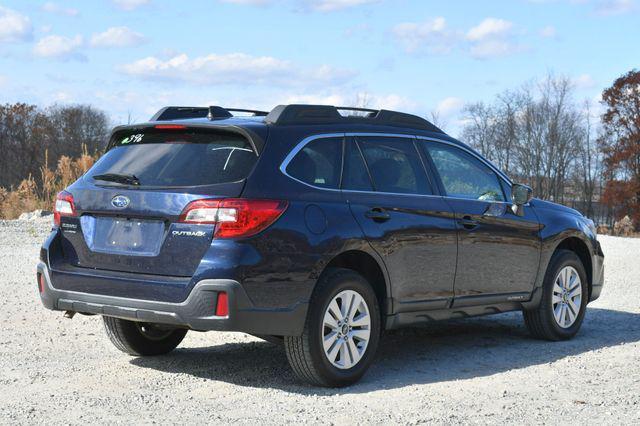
(211, 112)
(256, 113)
(326, 114)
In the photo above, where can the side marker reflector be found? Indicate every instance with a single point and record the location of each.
(222, 306)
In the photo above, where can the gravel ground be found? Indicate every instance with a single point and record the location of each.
(484, 370)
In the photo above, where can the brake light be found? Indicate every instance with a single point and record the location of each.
(64, 207)
(234, 217)
(170, 127)
(222, 305)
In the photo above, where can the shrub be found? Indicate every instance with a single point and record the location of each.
(28, 196)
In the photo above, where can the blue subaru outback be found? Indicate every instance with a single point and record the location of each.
(316, 226)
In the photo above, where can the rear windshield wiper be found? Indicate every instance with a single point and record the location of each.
(119, 178)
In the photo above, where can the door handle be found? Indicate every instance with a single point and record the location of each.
(378, 214)
(468, 223)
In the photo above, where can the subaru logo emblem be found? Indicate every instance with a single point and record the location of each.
(120, 201)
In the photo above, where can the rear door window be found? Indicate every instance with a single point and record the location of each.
(319, 163)
(394, 165)
(176, 158)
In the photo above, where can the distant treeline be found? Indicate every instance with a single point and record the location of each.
(32, 138)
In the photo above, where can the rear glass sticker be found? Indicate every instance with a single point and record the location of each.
(137, 138)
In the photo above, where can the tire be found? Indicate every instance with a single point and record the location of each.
(542, 321)
(306, 353)
(142, 339)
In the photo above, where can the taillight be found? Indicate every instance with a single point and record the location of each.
(64, 207)
(234, 217)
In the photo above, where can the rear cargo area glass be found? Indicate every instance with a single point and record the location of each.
(176, 158)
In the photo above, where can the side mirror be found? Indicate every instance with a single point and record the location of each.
(521, 194)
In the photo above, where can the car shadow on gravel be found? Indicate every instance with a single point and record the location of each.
(440, 352)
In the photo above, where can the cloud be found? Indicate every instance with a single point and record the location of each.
(3, 80)
(117, 37)
(601, 7)
(14, 26)
(248, 2)
(431, 36)
(492, 38)
(548, 32)
(55, 8)
(390, 101)
(449, 107)
(616, 7)
(315, 99)
(333, 5)
(584, 81)
(493, 49)
(130, 4)
(394, 102)
(59, 47)
(308, 5)
(489, 28)
(234, 68)
(559, 1)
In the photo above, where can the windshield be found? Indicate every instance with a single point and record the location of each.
(175, 158)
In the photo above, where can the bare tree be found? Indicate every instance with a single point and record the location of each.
(30, 136)
(538, 135)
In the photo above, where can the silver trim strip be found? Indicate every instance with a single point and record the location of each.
(309, 139)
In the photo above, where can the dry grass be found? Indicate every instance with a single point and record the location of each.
(31, 195)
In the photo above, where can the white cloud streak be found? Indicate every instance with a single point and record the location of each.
(492, 37)
(248, 2)
(59, 47)
(55, 8)
(616, 7)
(334, 5)
(431, 36)
(14, 26)
(130, 4)
(234, 68)
(117, 37)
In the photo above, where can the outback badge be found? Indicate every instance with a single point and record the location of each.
(120, 201)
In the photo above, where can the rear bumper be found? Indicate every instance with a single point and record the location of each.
(196, 312)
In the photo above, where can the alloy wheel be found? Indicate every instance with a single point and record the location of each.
(567, 297)
(346, 329)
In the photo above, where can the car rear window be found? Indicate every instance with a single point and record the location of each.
(174, 158)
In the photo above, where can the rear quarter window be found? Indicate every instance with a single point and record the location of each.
(319, 163)
(177, 158)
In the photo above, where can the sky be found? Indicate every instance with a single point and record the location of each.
(131, 57)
